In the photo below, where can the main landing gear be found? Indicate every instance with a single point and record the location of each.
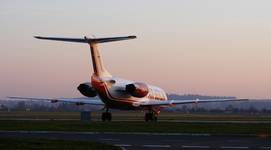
(150, 116)
(106, 116)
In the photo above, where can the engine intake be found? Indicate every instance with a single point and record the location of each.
(87, 90)
(137, 89)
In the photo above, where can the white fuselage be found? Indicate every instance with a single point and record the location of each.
(112, 92)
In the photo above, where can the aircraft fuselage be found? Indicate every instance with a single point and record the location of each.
(112, 91)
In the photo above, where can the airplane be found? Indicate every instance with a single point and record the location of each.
(117, 93)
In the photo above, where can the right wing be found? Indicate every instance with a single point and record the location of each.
(182, 102)
(77, 101)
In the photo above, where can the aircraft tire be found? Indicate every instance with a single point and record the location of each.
(149, 117)
(146, 117)
(109, 116)
(154, 118)
(103, 117)
(106, 116)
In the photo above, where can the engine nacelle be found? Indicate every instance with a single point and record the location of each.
(137, 89)
(87, 90)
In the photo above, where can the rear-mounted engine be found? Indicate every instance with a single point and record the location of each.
(87, 90)
(137, 89)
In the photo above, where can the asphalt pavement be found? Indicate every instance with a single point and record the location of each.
(155, 141)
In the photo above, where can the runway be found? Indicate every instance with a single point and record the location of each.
(134, 141)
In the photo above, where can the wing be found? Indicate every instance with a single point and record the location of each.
(77, 101)
(179, 102)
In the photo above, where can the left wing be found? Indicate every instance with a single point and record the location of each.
(179, 102)
(77, 101)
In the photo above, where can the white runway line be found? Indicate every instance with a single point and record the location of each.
(110, 139)
(234, 147)
(157, 146)
(265, 147)
(123, 145)
(194, 146)
(122, 148)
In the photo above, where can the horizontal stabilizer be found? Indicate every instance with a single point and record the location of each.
(87, 40)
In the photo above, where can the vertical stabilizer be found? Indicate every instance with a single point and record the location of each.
(97, 62)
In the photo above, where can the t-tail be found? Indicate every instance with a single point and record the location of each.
(98, 67)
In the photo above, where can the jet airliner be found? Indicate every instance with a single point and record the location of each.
(117, 93)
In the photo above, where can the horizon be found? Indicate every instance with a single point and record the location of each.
(201, 47)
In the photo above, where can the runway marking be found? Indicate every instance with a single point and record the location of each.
(157, 146)
(194, 146)
(122, 148)
(234, 147)
(110, 139)
(123, 145)
(264, 147)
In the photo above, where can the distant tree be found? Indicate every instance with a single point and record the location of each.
(3, 107)
(229, 109)
(252, 110)
(185, 109)
(21, 106)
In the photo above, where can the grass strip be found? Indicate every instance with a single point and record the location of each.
(154, 127)
(129, 115)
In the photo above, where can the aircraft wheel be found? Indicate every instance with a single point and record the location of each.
(146, 117)
(106, 116)
(103, 117)
(149, 117)
(109, 116)
(154, 118)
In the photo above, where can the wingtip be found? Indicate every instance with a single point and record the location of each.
(243, 99)
(132, 36)
(37, 37)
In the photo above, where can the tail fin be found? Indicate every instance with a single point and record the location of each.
(99, 69)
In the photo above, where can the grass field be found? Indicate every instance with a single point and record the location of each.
(134, 123)
(159, 127)
(46, 144)
(133, 116)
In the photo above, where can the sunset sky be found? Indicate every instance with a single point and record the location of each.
(208, 47)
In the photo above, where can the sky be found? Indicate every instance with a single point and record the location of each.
(208, 47)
